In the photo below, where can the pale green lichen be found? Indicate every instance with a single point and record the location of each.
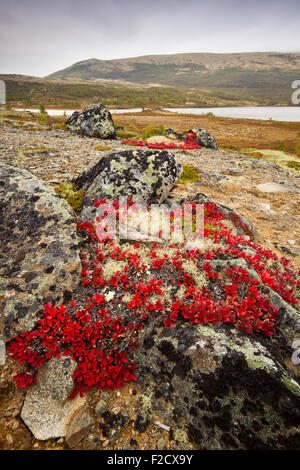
(191, 268)
(256, 356)
(146, 404)
(291, 384)
(111, 268)
(180, 435)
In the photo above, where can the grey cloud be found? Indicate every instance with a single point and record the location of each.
(38, 37)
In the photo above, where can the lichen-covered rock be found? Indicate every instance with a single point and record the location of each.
(171, 134)
(47, 410)
(93, 121)
(39, 248)
(204, 138)
(227, 389)
(146, 176)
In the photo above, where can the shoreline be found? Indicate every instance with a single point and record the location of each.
(287, 114)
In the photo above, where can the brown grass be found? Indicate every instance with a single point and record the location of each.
(229, 132)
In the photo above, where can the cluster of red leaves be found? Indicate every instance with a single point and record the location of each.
(189, 144)
(249, 314)
(99, 342)
(81, 334)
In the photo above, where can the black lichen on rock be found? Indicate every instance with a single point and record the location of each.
(93, 121)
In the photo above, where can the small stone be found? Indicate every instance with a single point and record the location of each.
(101, 407)
(9, 439)
(105, 443)
(15, 425)
(78, 428)
(291, 242)
(116, 410)
(161, 443)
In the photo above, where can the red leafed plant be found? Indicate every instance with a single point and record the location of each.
(189, 144)
(98, 334)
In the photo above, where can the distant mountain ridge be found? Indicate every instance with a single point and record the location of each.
(145, 69)
(264, 77)
(175, 80)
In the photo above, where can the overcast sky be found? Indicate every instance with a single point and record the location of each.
(38, 37)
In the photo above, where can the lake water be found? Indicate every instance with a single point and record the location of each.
(282, 113)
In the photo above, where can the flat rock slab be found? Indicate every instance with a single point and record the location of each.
(273, 187)
(39, 248)
(47, 409)
(78, 428)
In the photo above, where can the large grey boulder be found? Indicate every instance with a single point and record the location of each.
(48, 411)
(93, 121)
(39, 260)
(146, 176)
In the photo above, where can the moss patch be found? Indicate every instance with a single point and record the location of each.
(71, 194)
(189, 175)
(101, 148)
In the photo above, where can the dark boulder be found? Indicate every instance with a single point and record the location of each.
(93, 121)
(146, 176)
(204, 138)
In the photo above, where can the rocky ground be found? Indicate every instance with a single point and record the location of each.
(229, 178)
(267, 195)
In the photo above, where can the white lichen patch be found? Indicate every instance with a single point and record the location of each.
(160, 139)
(180, 294)
(181, 437)
(146, 404)
(127, 297)
(111, 267)
(191, 268)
